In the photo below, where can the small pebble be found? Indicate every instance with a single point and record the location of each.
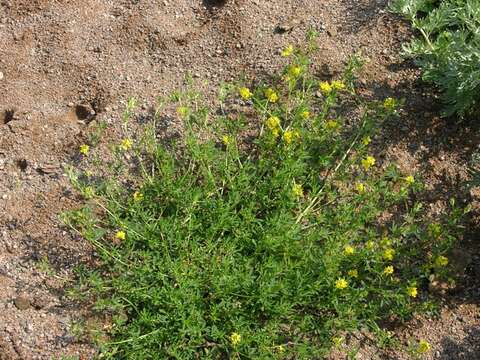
(22, 303)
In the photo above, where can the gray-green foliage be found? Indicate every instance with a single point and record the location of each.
(448, 50)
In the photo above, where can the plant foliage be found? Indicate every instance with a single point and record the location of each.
(448, 50)
(268, 230)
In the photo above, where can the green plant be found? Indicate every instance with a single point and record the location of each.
(265, 231)
(448, 51)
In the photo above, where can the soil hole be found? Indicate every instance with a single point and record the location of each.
(7, 116)
(214, 3)
(22, 164)
(84, 112)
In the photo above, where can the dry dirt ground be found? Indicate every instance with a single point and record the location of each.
(65, 62)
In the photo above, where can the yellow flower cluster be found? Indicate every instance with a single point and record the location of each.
(412, 291)
(287, 51)
(297, 190)
(137, 196)
(385, 242)
(368, 162)
(245, 93)
(409, 179)
(423, 347)
(341, 284)
(271, 95)
(226, 140)
(360, 187)
(349, 250)
(366, 140)
(332, 124)
(120, 235)
(389, 104)
(294, 71)
(441, 261)
(182, 111)
(305, 114)
(273, 123)
(326, 88)
(89, 192)
(235, 338)
(126, 144)
(289, 136)
(84, 149)
(353, 273)
(388, 270)
(338, 85)
(388, 254)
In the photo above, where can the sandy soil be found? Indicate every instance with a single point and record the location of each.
(65, 63)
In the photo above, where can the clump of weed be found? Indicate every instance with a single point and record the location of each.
(266, 231)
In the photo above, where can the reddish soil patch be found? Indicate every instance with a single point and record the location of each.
(67, 62)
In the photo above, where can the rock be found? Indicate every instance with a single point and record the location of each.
(49, 169)
(332, 32)
(22, 303)
(286, 27)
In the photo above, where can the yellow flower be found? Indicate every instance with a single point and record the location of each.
(287, 51)
(126, 144)
(353, 273)
(368, 162)
(441, 261)
(388, 254)
(295, 71)
(297, 190)
(84, 149)
(325, 87)
(412, 291)
(276, 132)
(338, 340)
(245, 93)
(88, 192)
(386, 242)
(273, 123)
(137, 196)
(360, 187)
(370, 245)
(389, 103)
(120, 235)
(305, 114)
(288, 136)
(281, 349)
(182, 111)
(366, 140)
(338, 85)
(332, 124)
(235, 338)
(423, 347)
(271, 95)
(341, 283)
(409, 179)
(348, 250)
(226, 140)
(388, 270)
